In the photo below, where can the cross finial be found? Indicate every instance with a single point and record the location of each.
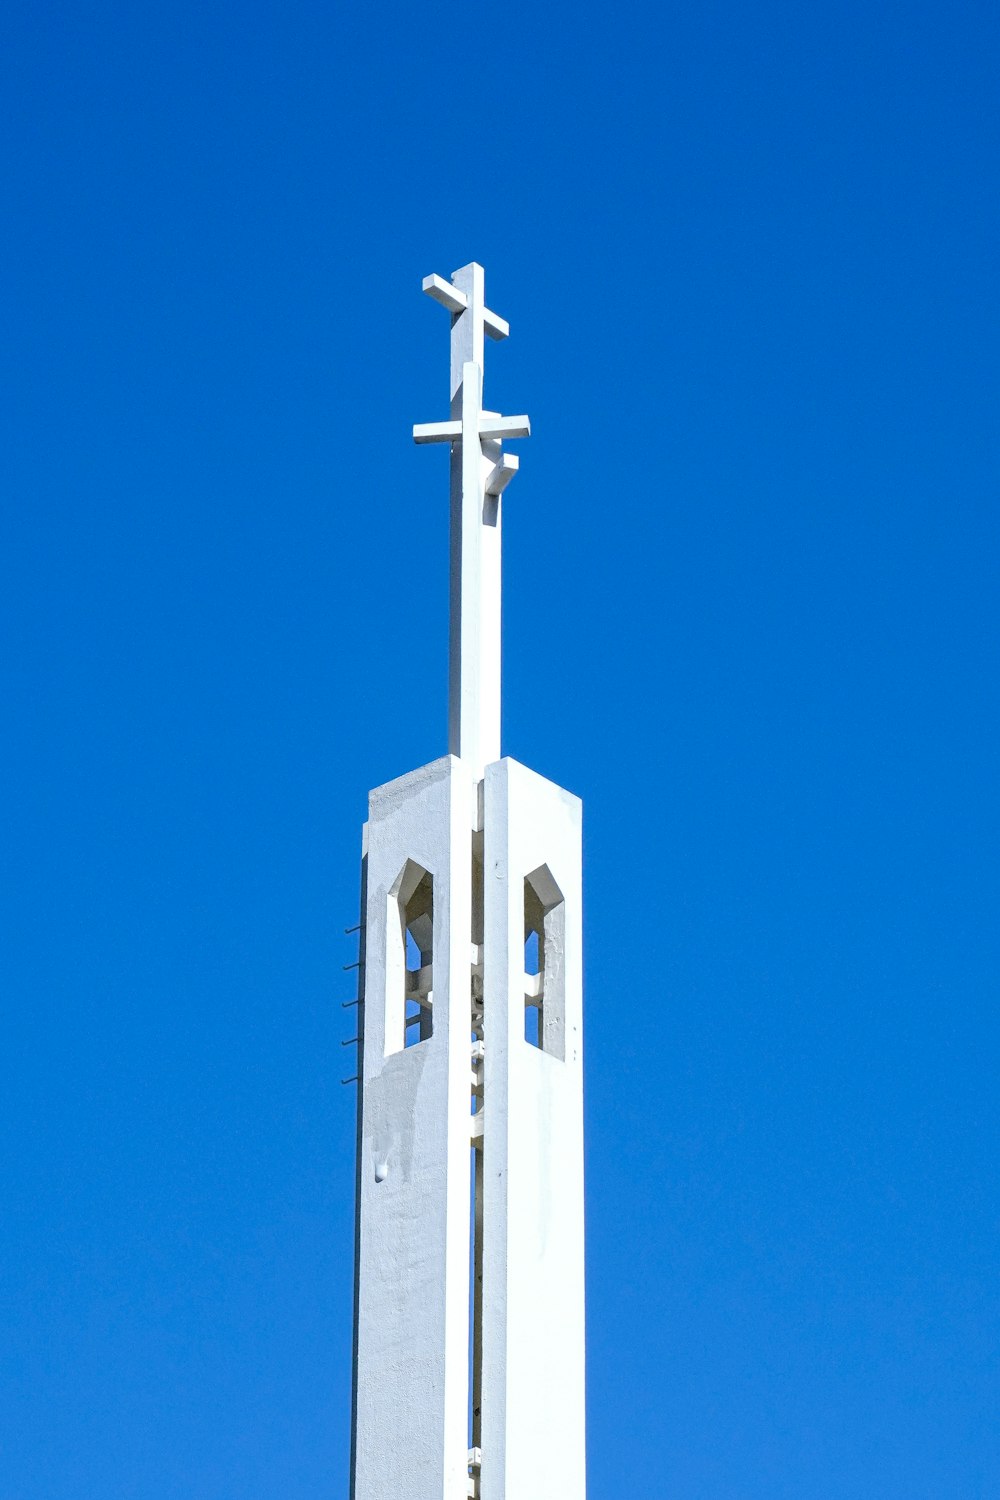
(480, 471)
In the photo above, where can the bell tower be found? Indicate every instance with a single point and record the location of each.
(469, 1286)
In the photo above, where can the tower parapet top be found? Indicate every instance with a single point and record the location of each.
(480, 472)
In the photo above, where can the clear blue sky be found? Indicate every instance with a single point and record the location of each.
(749, 258)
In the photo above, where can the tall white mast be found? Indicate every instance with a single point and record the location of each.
(480, 471)
(469, 1318)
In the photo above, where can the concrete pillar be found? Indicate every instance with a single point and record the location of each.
(533, 1289)
(412, 1295)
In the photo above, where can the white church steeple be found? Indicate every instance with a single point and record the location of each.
(469, 1307)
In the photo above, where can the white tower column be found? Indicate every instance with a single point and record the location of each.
(470, 1134)
(412, 1275)
(474, 645)
(533, 1291)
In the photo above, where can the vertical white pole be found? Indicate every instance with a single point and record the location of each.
(474, 656)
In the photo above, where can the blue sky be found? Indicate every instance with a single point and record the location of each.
(749, 259)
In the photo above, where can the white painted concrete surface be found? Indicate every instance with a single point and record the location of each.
(533, 1333)
(411, 1425)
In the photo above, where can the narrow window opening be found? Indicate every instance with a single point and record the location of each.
(416, 917)
(414, 963)
(534, 966)
(477, 1016)
(477, 1082)
(544, 958)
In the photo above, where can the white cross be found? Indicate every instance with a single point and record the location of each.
(480, 471)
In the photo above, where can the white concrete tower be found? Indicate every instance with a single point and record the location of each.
(469, 1292)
